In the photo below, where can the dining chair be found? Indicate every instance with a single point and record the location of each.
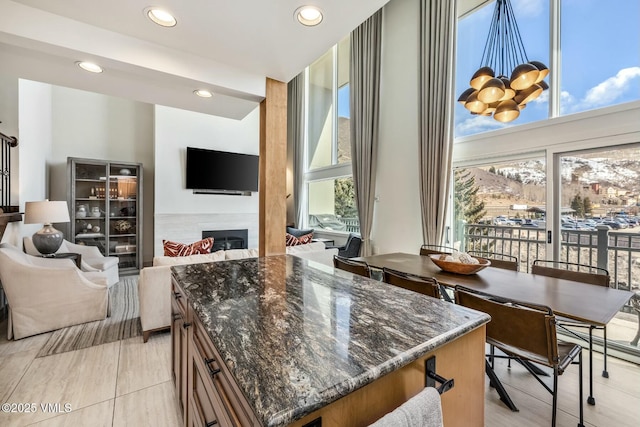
(427, 286)
(525, 332)
(498, 260)
(351, 248)
(578, 273)
(352, 266)
(436, 249)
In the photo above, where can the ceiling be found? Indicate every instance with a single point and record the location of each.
(228, 47)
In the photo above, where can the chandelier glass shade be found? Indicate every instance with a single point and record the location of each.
(506, 80)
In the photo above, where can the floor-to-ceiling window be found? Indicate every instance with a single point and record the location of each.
(586, 143)
(591, 47)
(328, 175)
(599, 68)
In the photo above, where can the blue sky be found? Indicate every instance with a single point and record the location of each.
(600, 52)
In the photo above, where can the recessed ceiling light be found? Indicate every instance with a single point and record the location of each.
(160, 17)
(309, 15)
(203, 93)
(89, 66)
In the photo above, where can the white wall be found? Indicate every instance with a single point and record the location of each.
(181, 215)
(619, 124)
(397, 225)
(34, 138)
(94, 126)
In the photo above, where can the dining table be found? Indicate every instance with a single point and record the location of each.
(594, 305)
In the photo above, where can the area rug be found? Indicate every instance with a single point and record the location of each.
(123, 323)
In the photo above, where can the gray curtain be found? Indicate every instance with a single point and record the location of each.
(295, 139)
(437, 53)
(364, 80)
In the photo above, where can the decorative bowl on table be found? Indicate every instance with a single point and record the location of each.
(459, 267)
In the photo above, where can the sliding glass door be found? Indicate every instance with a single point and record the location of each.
(599, 194)
(501, 208)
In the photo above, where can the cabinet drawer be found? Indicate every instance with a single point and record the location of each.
(177, 297)
(223, 382)
(205, 405)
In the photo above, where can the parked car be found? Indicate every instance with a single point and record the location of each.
(327, 222)
(503, 220)
(613, 224)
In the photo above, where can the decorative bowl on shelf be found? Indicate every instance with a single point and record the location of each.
(122, 226)
(459, 267)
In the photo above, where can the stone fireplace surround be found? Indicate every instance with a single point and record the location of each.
(227, 239)
(188, 228)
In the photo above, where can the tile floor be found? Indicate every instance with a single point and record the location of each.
(124, 383)
(128, 383)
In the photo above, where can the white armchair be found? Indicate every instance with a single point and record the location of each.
(45, 294)
(92, 258)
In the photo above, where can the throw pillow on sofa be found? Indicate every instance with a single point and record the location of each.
(174, 249)
(302, 240)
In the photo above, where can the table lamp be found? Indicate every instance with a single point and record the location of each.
(47, 240)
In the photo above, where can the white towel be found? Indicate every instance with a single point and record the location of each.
(422, 410)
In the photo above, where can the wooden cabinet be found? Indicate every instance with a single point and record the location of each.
(105, 203)
(204, 386)
(209, 395)
(179, 345)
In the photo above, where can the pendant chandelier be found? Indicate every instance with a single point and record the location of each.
(491, 91)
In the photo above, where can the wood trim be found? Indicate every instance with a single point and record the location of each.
(463, 405)
(273, 159)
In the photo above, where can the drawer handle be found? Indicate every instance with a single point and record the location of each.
(212, 423)
(212, 372)
(186, 325)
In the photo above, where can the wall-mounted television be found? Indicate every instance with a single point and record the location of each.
(221, 172)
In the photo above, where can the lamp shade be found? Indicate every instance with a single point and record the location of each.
(46, 212)
(523, 76)
(473, 104)
(506, 111)
(463, 97)
(491, 91)
(480, 77)
(543, 69)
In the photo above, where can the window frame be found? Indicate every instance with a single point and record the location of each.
(335, 170)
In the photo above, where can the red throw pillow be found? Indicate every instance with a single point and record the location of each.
(302, 240)
(180, 249)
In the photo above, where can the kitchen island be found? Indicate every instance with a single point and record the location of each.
(279, 341)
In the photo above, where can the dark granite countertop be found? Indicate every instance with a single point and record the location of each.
(297, 336)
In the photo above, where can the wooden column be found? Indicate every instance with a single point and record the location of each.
(273, 159)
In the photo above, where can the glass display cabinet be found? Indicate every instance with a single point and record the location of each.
(105, 204)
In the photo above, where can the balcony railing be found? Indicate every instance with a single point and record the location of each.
(353, 224)
(618, 252)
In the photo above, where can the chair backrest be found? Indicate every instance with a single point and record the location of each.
(571, 271)
(435, 249)
(506, 262)
(352, 247)
(423, 285)
(525, 330)
(355, 267)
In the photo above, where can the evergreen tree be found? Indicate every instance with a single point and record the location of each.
(345, 198)
(578, 205)
(588, 208)
(492, 169)
(467, 205)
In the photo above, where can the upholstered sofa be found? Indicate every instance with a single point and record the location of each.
(45, 294)
(154, 284)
